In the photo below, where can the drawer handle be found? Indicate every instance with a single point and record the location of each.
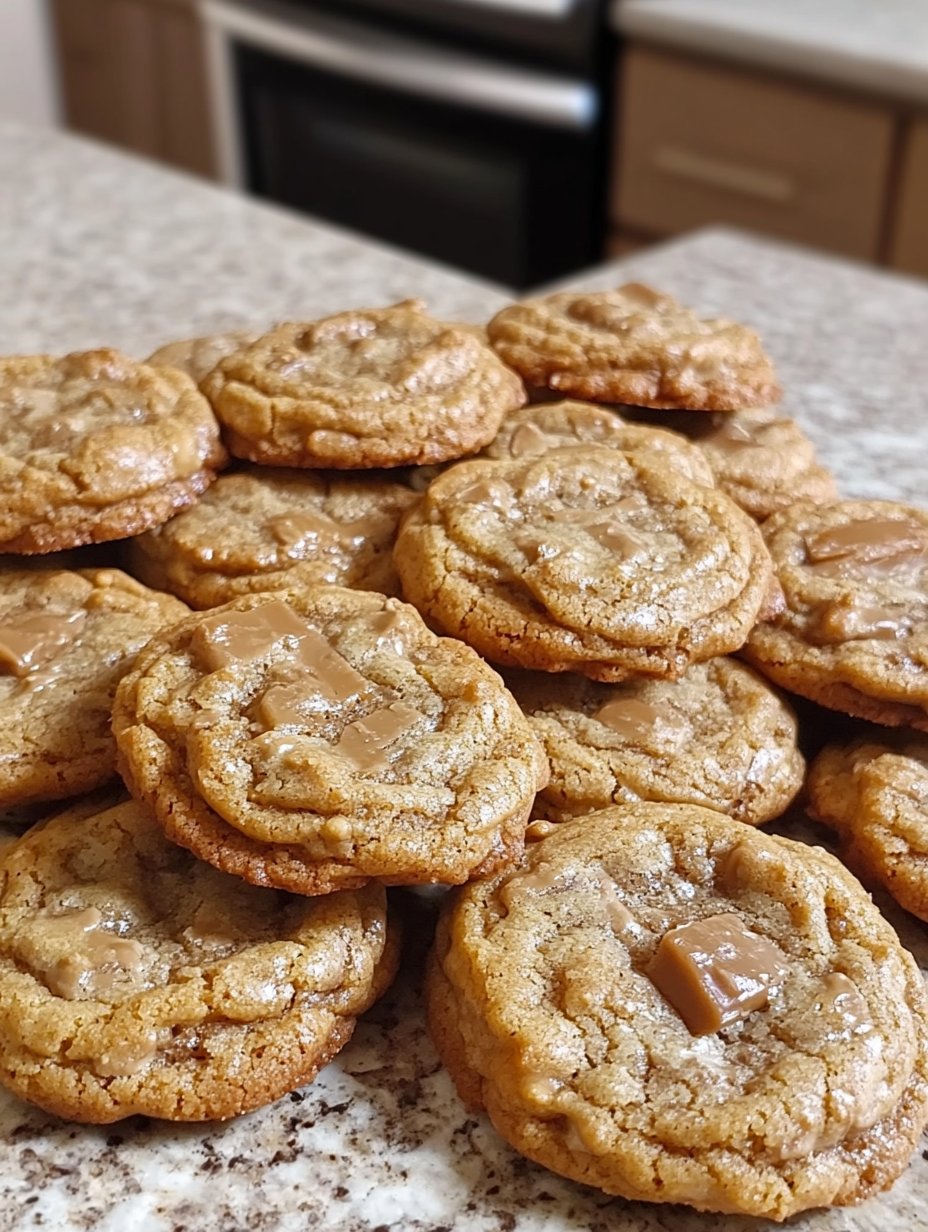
(716, 173)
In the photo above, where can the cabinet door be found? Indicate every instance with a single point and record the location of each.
(108, 65)
(699, 143)
(184, 97)
(909, 249)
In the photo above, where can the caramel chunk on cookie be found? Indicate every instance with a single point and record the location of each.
(136, 979)
(874, 793)
(199, 356)
(677, 1008)
(634, 345)
(584, 560)
(536, 430)
(266, 529)
(854, 633)
(66, 638)
(718, 737)
(365, 388)
(322, 738)
(96, 446)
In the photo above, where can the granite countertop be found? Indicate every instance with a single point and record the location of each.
(878, 46)
(101, 249)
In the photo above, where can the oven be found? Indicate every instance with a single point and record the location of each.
(471, 131)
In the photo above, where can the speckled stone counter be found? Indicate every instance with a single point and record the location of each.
(97, 249)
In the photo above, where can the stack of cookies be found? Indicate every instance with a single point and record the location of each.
(451, 631)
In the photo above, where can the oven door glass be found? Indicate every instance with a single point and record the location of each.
(503, 197)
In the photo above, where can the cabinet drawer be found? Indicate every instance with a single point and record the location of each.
(700, 144)
(909, 249)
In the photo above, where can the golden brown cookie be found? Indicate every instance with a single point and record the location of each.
(634, 345)
(136, 979)
(854, 633)
(584, 560)
(264, 529)
(96, 446)
(199, 356)
(364, 388)
(322, 738)
(718, 737)
(875, 794)
(763, 462)
(674, 1007)
(536, 430)
(66, 638)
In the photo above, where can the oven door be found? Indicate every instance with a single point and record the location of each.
(486, 167)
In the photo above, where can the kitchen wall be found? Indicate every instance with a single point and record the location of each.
(27, 78)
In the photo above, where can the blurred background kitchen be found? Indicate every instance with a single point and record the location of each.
(517, 139)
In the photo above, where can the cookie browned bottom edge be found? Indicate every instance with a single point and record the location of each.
(265, 453)
(72, 525)
(835, 695)
(38, 780)
(284, 866)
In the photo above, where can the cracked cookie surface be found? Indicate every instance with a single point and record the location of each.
(557, 1008)
(584, 560)
(363, 388)
(854, 633)
(66, 638)
(135, 979)
(874, 793)
(322, 738)
(634, 345)
(265, 529)
(536, 430)
(718, 737)
(95, 446)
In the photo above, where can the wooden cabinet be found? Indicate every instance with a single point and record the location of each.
(700, 143)
(909, 248)
(133, 72)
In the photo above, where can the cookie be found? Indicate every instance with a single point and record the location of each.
(634, 345)
(536, 430)
(674, 1007)
(136, 979)
(764, 463)
(718, 737)
(323, 738)
(96, 446)
(854, 633)
(584, 560)
(66, 638)
(365, 388)
(199, 356)
(875, 794)
(264, 529)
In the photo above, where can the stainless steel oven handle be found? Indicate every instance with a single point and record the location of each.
(403, 66)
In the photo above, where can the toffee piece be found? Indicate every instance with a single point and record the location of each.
(135, 979)
(854, 633)
(95, 446)
(584, 560)
(634, 345)
(323, 738)
(674, 1007)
